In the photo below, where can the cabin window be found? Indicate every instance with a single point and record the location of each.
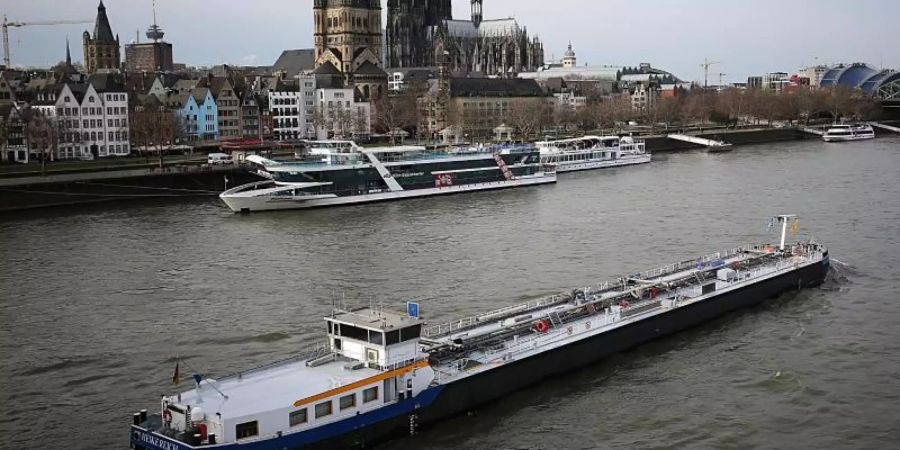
(348, 401)
(376, 337)
(360, 334)
(393, 337)
(298, 417)
(337, 344)
(246, 430)
(370, 394)
(323, 409)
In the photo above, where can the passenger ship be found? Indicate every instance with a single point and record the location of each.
(845, 133)
(383, 374)
(593, 152)
(334, 175)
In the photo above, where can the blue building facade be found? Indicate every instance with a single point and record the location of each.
(198, 114)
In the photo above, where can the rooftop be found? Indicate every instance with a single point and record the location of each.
(375, 319)
(260, 391)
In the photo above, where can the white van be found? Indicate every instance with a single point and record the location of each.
(219, 158)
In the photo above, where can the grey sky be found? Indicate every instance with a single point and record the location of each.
(749, 37)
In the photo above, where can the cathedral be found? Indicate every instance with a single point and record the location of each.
(349, 45)
(408, 29)
(421, 30)
(101, 52)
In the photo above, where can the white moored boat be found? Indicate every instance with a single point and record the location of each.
(342, 175)
(593, 152)
(844, 133)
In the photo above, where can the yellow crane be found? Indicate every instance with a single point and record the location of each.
(706, 65)
(7, 24)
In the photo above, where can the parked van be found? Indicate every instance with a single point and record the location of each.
(219, 158)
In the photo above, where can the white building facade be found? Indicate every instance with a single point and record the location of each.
(339, 116)
(291, 106)
(88, 123)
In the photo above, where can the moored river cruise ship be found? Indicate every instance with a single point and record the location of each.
(593, 152)
(846, 133)
(342, 175)
(381, 374)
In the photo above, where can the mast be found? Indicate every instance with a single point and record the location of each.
(784, 219)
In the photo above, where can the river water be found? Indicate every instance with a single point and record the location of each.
(96, 303)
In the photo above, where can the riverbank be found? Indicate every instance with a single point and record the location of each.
(179, 178)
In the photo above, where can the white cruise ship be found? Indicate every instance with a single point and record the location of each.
(593, 152)
(844, 133)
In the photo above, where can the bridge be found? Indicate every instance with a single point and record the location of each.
(698, 140)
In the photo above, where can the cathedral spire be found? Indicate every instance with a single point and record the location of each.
(68, 53)
(102, 30)
(476, 13)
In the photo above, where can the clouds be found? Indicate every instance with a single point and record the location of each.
(749, 37)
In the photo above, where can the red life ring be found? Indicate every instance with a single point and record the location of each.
(167, 416)
(624, 304)
(542, 326)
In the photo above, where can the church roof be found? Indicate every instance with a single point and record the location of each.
(367, 68)
(494, 87)
(293, 62)
(488, 28)
(107, 82)
(102, 30)
(327, 68)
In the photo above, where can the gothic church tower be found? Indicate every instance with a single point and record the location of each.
(101, 52)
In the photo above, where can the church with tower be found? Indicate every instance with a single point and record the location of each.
(348, 45)
(101, 51)
(419, 31)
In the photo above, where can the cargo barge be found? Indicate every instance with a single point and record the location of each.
(383, 374)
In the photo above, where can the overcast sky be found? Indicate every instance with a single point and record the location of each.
(748, 36)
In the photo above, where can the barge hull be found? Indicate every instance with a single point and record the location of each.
(479, 389)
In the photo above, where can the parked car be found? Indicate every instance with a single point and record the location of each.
(219, 158)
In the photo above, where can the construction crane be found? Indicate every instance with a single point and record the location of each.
(706, 65)
(7, 24)
(721, 75)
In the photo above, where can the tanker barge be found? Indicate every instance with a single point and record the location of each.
(383, 374)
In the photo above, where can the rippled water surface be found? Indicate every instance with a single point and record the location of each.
(96, 303)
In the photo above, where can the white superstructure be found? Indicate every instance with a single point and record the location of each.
(593, 152)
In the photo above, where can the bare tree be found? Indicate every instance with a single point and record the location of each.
(526, 116)
(839, 102)
(155, 128)
(41, 137)
(394, 113)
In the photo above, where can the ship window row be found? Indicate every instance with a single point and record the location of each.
(375, 337)
(323, 409)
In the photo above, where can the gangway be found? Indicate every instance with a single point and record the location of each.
(699, 141)
(814, 131)
(392, 183)
(885, 127)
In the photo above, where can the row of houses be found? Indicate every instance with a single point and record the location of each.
(91, 115)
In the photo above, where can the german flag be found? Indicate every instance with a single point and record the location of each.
(176, 377)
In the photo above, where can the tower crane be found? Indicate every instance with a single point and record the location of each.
(7, 24)
(721, 75)
(706, 65)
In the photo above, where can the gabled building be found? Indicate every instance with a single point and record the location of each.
(228, 104)
(13, 148)
(207, 114)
